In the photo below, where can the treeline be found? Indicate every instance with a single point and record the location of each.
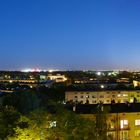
(40, 115)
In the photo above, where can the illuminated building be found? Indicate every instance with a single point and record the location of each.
(136, 83)
(106, 97)
(123, 80)
(123, 120)
(58, 78)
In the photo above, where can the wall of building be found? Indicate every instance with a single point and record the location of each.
(106, 97)
(121, 126)
(58, 78)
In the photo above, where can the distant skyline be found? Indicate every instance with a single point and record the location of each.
(70, 34)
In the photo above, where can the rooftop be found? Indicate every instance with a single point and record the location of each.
(113, 108)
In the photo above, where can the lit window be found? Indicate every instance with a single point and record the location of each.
(111, 125)
(137, 122)
(125, 95)
(119, 95)
(123, 123)
(87, 96)
(131, 100)
(52, 124)
(137, 133)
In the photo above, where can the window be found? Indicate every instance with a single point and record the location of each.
(125, 95)
(94, 101)
(137, 133)
(111, 135)
(123, 123)
(119, 95)
(132, 95)
(81, 102)
(82, 96)
(131, 100)
(108, 101)
(124, 135)
(124, 101)
(87, 96)
(137, 122)
(101, 96)
(52, 124)
(93, 96)
(76, 97)
(111, 124)
(113, 96)
(108, 96)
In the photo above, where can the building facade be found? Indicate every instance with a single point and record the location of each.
(58, 78)
(106, 97)
(121, 126)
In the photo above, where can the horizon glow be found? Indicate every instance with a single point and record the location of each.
(70, 35)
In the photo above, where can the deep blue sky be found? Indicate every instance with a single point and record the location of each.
(70, 34)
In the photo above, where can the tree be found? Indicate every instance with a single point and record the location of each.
(32, 126)
(63, 125)
(8, 121)
(101, 122)
(23, 101)
(73, 126)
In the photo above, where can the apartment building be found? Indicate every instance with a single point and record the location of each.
(105, 97)
(123, 120)
(58, 78)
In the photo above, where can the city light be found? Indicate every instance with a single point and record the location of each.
(10, 81)
(102, 86)
(31, 70)
(99, 73)
(50, 70)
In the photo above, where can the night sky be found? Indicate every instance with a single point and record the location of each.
(69, 34)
